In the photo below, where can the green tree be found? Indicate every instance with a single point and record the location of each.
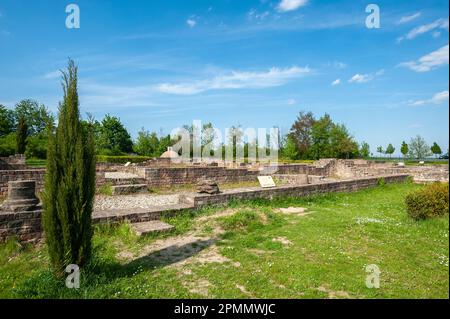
(404, 149)
(70, 183)
(390, 149)
(21, 136)
(289, 149)
(342, 144)
(364, 150)
(8, 144)
(380, 150)
(7, 121)
(320, 137)
(114, 137)
(301, 133)
(418, 148)
(36, 115)
(147, 144)
(436, 149)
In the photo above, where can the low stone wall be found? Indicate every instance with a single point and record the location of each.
(291, 190)
(12, 162)
(22, 174)
(165, 176)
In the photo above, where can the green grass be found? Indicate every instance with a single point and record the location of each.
(268, 254)
(35, 162)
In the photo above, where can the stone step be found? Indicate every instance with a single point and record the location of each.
(129, 189)
(154, 226)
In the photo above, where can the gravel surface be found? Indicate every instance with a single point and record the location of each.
(103, 202)
(120, 175)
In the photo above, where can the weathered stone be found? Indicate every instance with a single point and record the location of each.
(21, 197)
(154, 226)
(208, 187)
(129, 189)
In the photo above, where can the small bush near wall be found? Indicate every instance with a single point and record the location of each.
(428, 202)
(121, 159)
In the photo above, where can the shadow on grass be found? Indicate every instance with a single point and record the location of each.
(104, 271)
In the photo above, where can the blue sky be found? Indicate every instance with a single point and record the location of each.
(161, 64)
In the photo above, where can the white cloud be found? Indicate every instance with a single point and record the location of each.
(236, 80)
(191, 22)
(336, 82)
(360, 78)
(290, 5)
(430, 61)
(409, 18)
(291, 101)
(254, 15)
(438, 24)
(52, 75)
(438, 98)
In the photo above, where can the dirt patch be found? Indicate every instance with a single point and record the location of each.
(283, 240)
(297, 211)
(333, 294)
(245, 291)
(200, 286)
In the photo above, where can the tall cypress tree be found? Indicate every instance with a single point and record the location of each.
(21, 136)
(70, 182)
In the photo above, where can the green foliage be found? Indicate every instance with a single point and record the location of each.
(37, 146)
(21, 136)
(240, 220)
(105, 189)
(380, 150)
(436, 149)
(364, 150)
(8, 144)
(70, 183)
(418, 148)
(301, 133)
(404, 149)
(390, 149)
(36, 116)
(289, 150)
(147, 144)
(431, 201)
(122, 159)
(381, 181)
(7, 121)
(114, 138)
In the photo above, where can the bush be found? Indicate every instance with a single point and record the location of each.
(431, 201)
(8, 145)
(122, 159)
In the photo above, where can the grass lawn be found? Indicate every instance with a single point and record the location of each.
(250, 249)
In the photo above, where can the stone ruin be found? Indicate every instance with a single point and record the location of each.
(20, 213)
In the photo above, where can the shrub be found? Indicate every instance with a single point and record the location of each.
(381, 181)
(8, 145)
(428, 202)
(69, 183)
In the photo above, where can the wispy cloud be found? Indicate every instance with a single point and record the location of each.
(409, 18)
(438, 24)
(430, 61)
(236, 80)
(291, 5)
(191, 22)
(52, 75)
(363, 78)
(336, 82)
(436, 99)
(255, 15)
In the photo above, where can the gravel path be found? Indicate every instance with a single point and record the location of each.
(103, 202)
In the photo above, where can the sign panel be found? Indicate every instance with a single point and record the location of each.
(266, 181)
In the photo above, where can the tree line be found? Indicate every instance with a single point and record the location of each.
(24, 130)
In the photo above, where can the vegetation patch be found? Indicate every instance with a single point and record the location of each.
(431, 201)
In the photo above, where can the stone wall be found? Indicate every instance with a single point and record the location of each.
(165, 176)
(12, 162)
(292, 190)
(22, 174)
